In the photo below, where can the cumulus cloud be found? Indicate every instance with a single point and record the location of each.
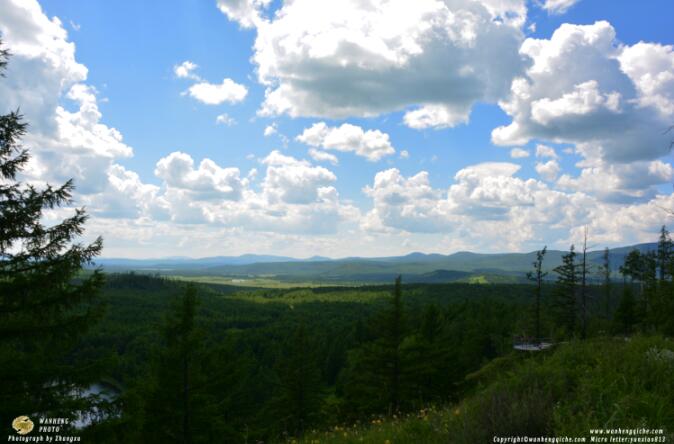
(270, 130)
(185, 70)
(225, 119)
(215, 94)
(208, 181)
(548, 170)
(620, 183)
(432, 58)
(294, 181)
(488, 207)
(585, 88)
(42, 74)
(246, 12)
(322, 156)
(546, 151)
(651, 67)
(558, 6)
(294, 196)
(519, 153)
(370, 144)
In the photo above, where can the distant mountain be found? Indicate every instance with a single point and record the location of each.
(415, 267)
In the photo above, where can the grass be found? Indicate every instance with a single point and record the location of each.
(601, 383)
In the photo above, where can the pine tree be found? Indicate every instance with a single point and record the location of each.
(45, 300)
(537, 276)
(298, 398)
(565, 290)
(626, 314)
(664, 253)
(374, 377)
(584, 296)
(606, 275)
(180, 405)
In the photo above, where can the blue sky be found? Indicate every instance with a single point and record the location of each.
(349, 130)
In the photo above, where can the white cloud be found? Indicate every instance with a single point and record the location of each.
(558, 6)
(492, 210)
(246, 12)
(519, 153)
(435, 116)
(583, 100)
(651, 67)
(270, 130)
(546, 151)
(294, 181)
(404, 154)
(214, 94)
(432, 58)
(322, 156)
(42, 74)
(620, 183)
(370, 144)
(585, 88)
(185, 70)
(225, 119)
(486, 206)
(208, 181)
(294, 196)
(548, 170)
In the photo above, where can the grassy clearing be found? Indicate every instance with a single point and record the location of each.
(259, 282)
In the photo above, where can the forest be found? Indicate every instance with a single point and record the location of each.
(141, 358)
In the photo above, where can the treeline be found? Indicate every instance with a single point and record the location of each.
(640, 299)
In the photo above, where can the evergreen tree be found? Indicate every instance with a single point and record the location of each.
(664, 253)
(375, 373)
(584, 296)
(45, 302)
(431, 323)
(626, 314)
(427, 360)
(180, 406)
(606, 275)
(298, 398)
(565, 291)
(537, 276)
(633, 267)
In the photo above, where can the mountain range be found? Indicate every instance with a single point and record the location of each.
(415, 267)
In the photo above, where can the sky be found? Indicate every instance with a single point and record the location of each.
(352, 128)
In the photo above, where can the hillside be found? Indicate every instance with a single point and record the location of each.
(580, 386)
(416, 267)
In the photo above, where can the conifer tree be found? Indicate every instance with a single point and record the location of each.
(375, 376)
(565, 290)
(298, 398)
(45, 300)
(180, 406)
(537, 276)
(664, 254)
(606, 275)
(626, 313)
(584, 296)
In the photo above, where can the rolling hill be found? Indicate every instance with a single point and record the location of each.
(415, 267)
